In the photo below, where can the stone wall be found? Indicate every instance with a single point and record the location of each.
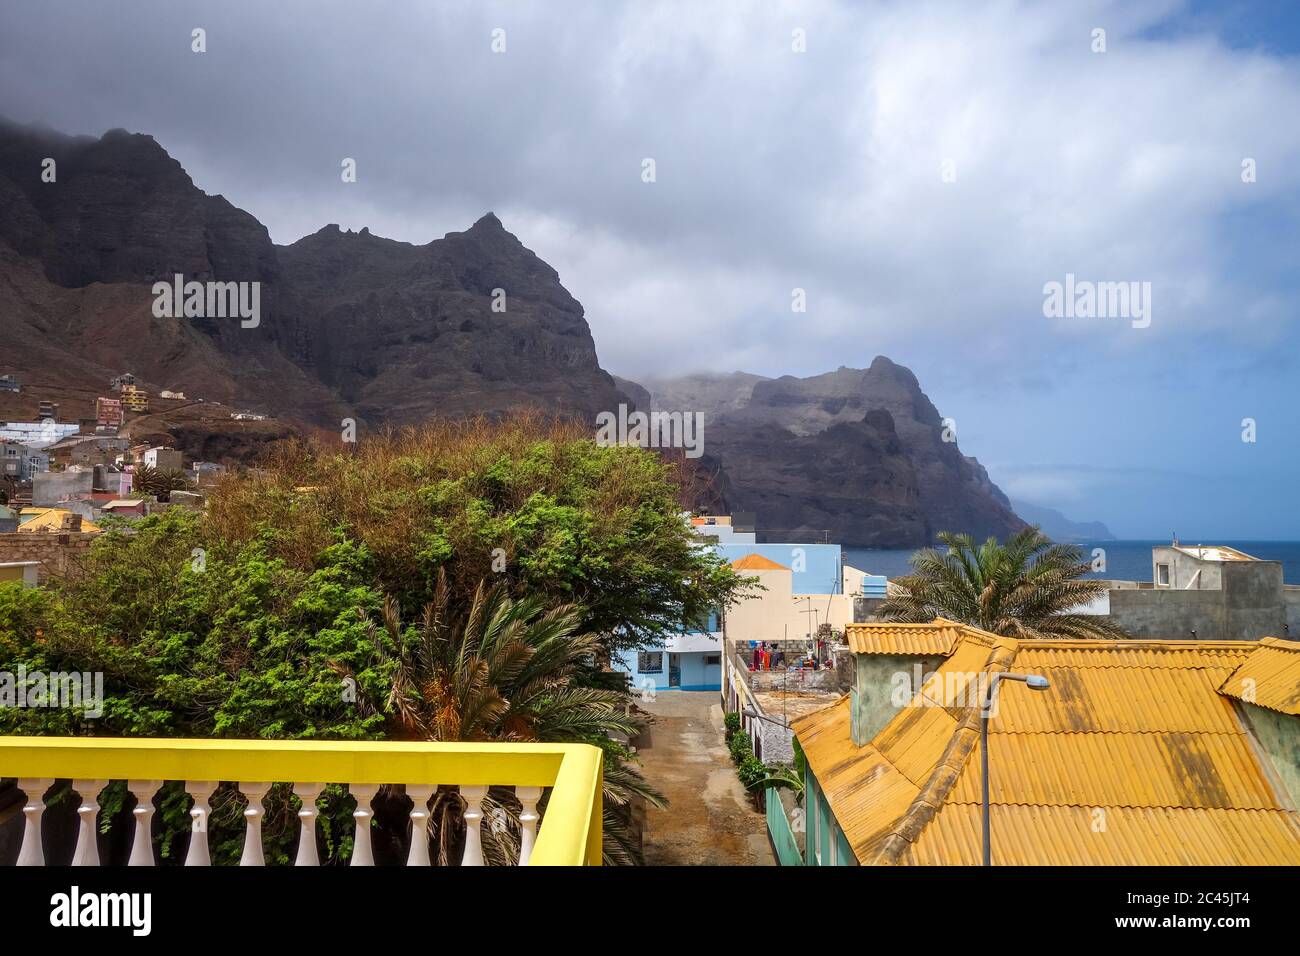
(56, 552)
(793, 680)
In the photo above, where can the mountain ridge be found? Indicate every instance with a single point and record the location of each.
(865, 448)
(359, 326)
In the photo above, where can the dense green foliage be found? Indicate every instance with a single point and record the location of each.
(535, 506)
(1027, 587)
(245, 647)
(278, 613)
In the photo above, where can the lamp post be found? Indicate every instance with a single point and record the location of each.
(1034, 682)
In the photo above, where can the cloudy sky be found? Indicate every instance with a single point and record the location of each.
(921, 170)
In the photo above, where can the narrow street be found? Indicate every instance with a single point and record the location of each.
(710, 820)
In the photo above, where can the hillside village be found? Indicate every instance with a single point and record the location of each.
(71, 464)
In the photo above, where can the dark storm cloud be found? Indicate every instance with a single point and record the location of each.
(776, 169)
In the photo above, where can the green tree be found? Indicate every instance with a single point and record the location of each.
(1028, 587)
(225, 642)
(533, 504)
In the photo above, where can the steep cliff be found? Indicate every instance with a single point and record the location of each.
(858, 453)
(350, 325)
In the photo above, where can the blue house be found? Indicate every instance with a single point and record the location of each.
(692, 660)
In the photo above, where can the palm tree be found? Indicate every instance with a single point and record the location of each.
(1027, 587)
(149, 480)
(506, 670)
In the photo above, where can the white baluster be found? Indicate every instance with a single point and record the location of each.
(362, 854)
(142, 845)
(528, 797)
(199, 852)
(473, 797)
(308, 793)
(419, 794)
(253, 814)
(87, 851)
(32, 850)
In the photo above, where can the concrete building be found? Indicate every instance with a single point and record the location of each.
(36, 435)
(164, 459)
(724, 529)
(809, 575)
(124, 507)
(135, 399)
(108, 412)
(87, 450)
(21, 462)
(60, 487)
(1208, 593)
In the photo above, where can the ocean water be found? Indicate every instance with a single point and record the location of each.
(1125, 560)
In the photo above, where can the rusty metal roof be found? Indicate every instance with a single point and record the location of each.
(867, 793)
(1133, 756)
(1108, 836)
(1269, 676)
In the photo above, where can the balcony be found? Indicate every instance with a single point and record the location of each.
(569, 833)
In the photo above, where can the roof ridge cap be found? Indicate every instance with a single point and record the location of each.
(944, 776)
(1279, 643)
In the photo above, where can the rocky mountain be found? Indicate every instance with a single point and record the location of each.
(1060, 528)
(858, 454)
(351, 325)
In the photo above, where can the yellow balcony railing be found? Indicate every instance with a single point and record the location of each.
(569, 833)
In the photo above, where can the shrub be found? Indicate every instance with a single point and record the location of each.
(731, 723)
(740, 745)
(751, 771)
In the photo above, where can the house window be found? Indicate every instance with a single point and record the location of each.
(712, 659)
(650, 662)
(1162, 575)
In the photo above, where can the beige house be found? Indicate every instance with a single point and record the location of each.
(776, 613)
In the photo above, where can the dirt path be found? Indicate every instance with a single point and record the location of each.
(710, 820)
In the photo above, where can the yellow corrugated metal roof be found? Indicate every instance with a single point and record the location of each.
(1105, 700)
(1129, 654)
(1120, 770)
(1108, 836)
(866, 792)
(923, 639)
(50, 519)
(1269, 676)
(1132, 756)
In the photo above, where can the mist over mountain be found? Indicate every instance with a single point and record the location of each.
(1060, 528)
(353, 325)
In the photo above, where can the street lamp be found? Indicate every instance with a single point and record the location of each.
(1034, 682)
(752, 714)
